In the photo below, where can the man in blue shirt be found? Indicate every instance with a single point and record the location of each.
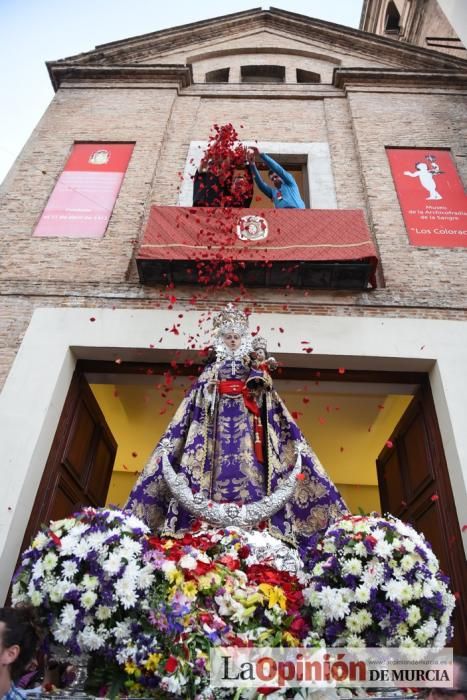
(284, 191)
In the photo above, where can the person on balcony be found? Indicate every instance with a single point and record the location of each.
(212, 182)
(284, 191)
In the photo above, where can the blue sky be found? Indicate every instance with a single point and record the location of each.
(35, 31)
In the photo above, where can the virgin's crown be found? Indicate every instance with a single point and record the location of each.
(230, 320)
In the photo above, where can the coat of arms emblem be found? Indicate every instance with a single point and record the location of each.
(252, 228)
(99, 157)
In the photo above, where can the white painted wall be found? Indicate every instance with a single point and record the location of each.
(35, 390)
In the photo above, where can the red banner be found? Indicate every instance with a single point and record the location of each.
(431, 196)
(82, 201)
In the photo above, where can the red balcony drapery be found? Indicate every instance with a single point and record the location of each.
(293, 235)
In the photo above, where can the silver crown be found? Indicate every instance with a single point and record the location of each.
(259, 342)
(230, 320)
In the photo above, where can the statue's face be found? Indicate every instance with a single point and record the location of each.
(232, 340)
(260, 354)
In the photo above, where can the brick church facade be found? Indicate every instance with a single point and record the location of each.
(332, 104)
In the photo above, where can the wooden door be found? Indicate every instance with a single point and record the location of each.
(415, 486)
(80, 463)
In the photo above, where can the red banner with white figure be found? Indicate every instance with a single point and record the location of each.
(83, 198)
(431, 196)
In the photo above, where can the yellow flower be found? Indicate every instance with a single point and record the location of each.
(209, 580)
(175, 577)
(252, 599)
(264, 635)
(274, 594)
(290, 639)
(190, 589)
(130, 668)
(152, 662)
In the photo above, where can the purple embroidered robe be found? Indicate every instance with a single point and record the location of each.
(212, 438)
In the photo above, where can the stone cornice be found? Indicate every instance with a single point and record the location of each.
(377, 77)
(177, 74)
(348, 39)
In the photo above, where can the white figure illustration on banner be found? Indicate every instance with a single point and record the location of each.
(426, 173)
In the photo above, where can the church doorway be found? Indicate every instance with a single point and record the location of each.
(376, 434)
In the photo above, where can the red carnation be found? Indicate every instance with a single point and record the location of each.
(171, 664)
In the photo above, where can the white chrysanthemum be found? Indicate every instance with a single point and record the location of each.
(17, 593)
(38, 569)
(355, 642)
(81, 549)
(365, 619)
(318, 569)
(346, 525)
(188, 562)
(168, 567)
(59, 590)
(353, 623)
(129, 548)
(113, 563)
(319, 619)
(122, 630)
(69, 569)
(373, 574)
(329, 547)
(96, 540)
(311, 597)
(62, 633)
(402, 629)
(406, 593)
(78, 529)
(125, 592)
(68, 615)
(40, 541)
(408, 544)
(103, 612)
(413, 615)
(379, 534)
(334, 606)
(133, 523)
(89, 640)
(68, 545)
(36, 598)
(393, 589)
(362, 594)
(90, 582)
(360, 550)
(427, 630)
(352, 566)
(145, 577)
(88, 599)
(383, 549)
(408, 561)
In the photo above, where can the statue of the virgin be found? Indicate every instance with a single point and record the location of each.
(233, 454)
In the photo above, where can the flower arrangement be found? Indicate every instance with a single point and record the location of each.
(376, 582)
(213, 587)
(85, 573)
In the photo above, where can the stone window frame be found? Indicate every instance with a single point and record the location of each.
(321, 186)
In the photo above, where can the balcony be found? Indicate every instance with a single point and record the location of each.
(301, 248)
